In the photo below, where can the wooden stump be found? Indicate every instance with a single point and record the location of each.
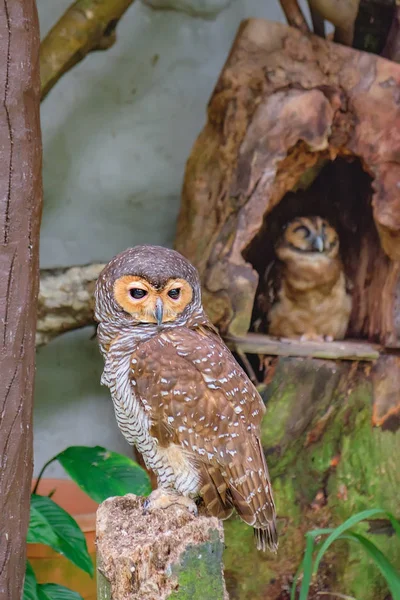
(169, 554)
(332, 439)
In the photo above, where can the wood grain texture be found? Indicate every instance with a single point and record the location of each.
(20, 211)
(285, 106)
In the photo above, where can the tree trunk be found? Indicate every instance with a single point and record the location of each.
(169, 554)
(20, 210)
(332, 439)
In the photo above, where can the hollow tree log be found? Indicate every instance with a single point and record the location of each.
(20, 210)
(169, 554)
(285, 107)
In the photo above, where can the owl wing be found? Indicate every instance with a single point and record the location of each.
(197, 396)
(268, 295)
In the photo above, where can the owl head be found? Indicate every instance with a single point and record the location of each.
(147, 285)
(311, 238)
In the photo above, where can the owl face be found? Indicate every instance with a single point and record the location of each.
(147, 285)
(309, 237)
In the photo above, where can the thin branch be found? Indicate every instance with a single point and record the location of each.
(255, 343)
(294, 15)
(86, 26)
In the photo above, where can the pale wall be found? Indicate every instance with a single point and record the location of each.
(117, 131)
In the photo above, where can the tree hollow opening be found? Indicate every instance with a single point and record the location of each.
(341, 193)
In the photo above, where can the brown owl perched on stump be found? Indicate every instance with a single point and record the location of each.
(179, 395)
(309, 296)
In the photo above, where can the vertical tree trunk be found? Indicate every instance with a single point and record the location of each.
(20, 210)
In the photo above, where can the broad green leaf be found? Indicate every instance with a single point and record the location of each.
(53, 591)
(49, 524)
(365, 514)
(102, 473)
(30, 584)
(390, 574)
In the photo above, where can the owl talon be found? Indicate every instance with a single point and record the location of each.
(312, 337)
(160, 498)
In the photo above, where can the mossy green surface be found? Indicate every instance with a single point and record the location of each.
(327, 463)
(199, 572)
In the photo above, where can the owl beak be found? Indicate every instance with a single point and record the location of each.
(318, 244)
(159, 311)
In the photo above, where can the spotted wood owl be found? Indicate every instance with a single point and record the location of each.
(306, 291)
(179, 395)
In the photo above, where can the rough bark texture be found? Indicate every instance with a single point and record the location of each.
(20, 210)
(86, 26)
(169, 554)
(292, 112)
(65, 300)
(332, 439)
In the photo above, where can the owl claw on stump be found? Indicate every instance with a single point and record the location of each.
(161, 498)
(179, 395)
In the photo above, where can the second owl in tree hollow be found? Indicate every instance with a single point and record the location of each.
(179, 395)
(311, 301)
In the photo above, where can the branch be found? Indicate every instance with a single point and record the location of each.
(256, 343)
(294, 15)
(86, 26)
(65, 300)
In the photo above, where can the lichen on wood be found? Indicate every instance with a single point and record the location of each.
(168, 555)
(332, 437)
(65, 300)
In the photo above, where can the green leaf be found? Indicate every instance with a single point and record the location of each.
(30, 584)
(49, 524)
(102, 473)
(365, 514)
(306, 564)
(53, 591)
(390, 574)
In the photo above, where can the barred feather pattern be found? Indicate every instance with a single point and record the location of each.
(182, 399)
(182, 389)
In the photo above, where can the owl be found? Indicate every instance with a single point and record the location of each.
(307, 296)
(179, 395)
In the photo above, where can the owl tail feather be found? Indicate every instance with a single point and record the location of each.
(266, 538)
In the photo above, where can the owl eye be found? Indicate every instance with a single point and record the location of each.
(174, 294)
(137, 293)
(304, 229)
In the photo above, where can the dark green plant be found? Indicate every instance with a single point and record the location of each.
(309, 565)
(101, 474)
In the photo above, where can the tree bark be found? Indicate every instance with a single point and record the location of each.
(296, 125)
(20, 211)
(86, 26)
(169, 554)
(331, 435)
(66, 300)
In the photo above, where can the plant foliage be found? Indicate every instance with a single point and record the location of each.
(101, 474)
(309, 565)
